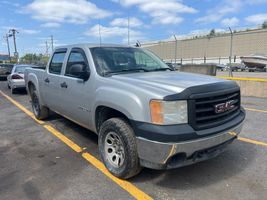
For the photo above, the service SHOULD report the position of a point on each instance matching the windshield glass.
(110, 60)
(20, 69)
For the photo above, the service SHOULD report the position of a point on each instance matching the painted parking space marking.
(252, 141)
(25, 110)
(256, 110)
(63, 138)
(126, 185)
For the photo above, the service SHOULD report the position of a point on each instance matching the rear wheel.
(13, 91)
(40, 112)
(117, 147)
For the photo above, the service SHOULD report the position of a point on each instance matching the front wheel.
(118, 149)
(40, 112)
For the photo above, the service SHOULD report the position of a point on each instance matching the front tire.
(118, 149)
(40, 112)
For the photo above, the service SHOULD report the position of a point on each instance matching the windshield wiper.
(161, 69)
(124, 70)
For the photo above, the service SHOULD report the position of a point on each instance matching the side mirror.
(79, 71)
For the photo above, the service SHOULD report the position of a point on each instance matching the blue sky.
(76, 21)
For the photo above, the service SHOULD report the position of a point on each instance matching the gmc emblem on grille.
(223, 107)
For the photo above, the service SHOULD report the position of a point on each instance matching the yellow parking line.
(243, 78)
(135, 192)
(256, 110)
(248, 140)
(126, 185)
(252, 141)
(22, 108)
(63, 138)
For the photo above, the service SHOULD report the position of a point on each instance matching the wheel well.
(104, 113)
(31, 87)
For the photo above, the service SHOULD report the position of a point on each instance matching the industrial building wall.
(215, 49)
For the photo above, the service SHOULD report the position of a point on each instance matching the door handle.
(63, 85)
(47, 80)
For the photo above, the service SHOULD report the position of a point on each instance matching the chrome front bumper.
(159, 155)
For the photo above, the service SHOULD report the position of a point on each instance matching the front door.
(76, 93)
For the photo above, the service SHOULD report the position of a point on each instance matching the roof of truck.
(91, 45)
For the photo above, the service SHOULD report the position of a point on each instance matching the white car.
(16, 79)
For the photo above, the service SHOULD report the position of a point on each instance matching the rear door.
(77, 94)
(52, 79)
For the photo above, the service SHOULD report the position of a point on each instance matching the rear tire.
(40, 112)
(13, 91)
(118, 149)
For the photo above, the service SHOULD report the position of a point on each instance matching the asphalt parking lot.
(58, 159)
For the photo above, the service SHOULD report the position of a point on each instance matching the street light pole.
(231, 53)
(175, 51)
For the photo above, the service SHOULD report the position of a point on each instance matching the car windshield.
(20, 69)
(112, 60)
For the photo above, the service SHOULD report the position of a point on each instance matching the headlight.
(168, 112)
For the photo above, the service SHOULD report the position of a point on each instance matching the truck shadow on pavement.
(233, 161)
(230, 163)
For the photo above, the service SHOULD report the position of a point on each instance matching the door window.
(77, 56)
(57, 62)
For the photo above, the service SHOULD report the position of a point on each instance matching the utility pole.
(175, 51)
(46, 48)
(13, 33)
(231, 52)
(128, 30)
(52, 42)
(8, 48)
(99, 32)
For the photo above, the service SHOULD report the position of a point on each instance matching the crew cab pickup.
(145, 114)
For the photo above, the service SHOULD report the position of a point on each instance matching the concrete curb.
(253, 87)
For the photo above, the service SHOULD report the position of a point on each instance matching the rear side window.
(57, 62)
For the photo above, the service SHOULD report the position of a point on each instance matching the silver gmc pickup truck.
(145, 114)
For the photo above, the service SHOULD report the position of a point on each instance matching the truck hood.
(171, 82)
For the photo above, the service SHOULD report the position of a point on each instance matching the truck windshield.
(113, 60)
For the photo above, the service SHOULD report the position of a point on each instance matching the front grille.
(203, 109)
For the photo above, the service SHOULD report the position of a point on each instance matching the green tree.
(264, 24)
(33, 58)
(212, 32)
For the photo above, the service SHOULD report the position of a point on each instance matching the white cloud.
(257, 19)
(217, 13)
(162, 12)
(77, 12)
(29, 31)
(10, 3)
(115, 31)
(255, 2)
(133, 22)
(21, 30)
(230, 22)
(50, 25)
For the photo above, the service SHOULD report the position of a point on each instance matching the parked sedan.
(16, 79)
(5, 70)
